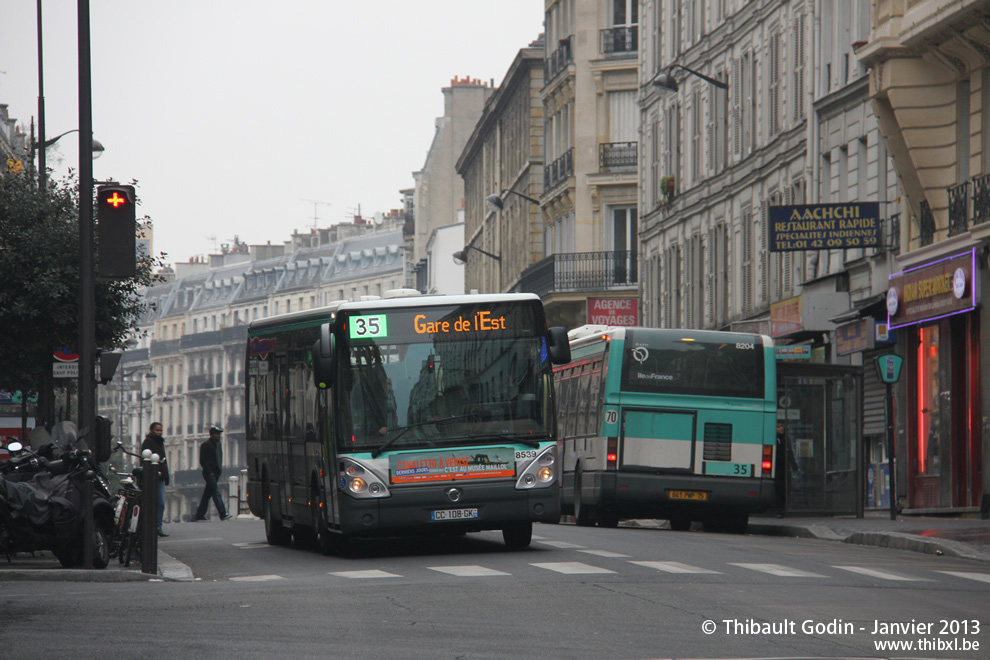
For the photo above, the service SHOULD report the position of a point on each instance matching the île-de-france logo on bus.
(260, 347)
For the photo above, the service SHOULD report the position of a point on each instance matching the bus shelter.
(820, 407)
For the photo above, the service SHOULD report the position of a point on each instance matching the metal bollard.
(149, 507)
(233, 496)
(242, 502)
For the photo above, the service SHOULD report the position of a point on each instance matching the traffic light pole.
(87, 281)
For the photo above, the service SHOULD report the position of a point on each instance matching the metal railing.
(892, 233)
(617, 156)
(926, 224)
(581, 271)
(558, 170)
(959, 208)
(557, 61)
(620, 39)
(981, 199)
(201, 382)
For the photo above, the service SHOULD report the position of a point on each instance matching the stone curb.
(169, 569)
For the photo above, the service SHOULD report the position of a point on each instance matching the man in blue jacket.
(210, 459)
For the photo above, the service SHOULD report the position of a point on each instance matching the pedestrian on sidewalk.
(211, 459)
(156, 443)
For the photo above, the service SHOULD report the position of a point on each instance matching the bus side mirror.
(560, 349)
(323, 351)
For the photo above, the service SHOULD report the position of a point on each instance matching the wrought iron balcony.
(926, 224)
(201, 382)
(981, 199)
(620, 39)
(558, 170)
(558, 60)
(892, 233)
(580, 271)
(959, 208)
(617, 156)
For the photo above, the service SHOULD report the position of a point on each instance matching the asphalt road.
(576, 593)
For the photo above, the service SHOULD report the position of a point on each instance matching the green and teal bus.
(402, 415)
(671, 424)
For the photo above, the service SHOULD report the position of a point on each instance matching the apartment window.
(773, 80)
(746, 263)
(696, 114)
(798, 36)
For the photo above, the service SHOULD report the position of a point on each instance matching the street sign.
(65, 370)
(889, 368)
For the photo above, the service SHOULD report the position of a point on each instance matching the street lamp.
(497, 203)
(666, 81)
(460, 257)
(40, 147)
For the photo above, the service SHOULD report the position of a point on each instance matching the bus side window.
(583, 382)
(595, 412)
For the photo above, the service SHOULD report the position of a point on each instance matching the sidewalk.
(968, 538)
(44, 567)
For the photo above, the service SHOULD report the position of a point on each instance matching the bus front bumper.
(411, 509)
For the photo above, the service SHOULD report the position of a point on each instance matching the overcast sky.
(231, 113)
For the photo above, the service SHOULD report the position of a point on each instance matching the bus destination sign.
(441, 323)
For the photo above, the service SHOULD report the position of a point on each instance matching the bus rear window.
(679, 363)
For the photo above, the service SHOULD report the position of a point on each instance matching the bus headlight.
(360, 481)
(541, 471)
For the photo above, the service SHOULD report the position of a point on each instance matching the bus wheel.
(582, 512)
(275, 533)
(680, 524)
(517, 535)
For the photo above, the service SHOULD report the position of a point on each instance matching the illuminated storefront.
(936, 306)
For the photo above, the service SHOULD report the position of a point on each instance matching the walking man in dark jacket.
(156, 443)
(210, 459)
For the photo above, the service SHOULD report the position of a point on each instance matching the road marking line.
(604, 553)
(883, 575)
(257, 578)
(360, 575)
(249, 546)
(673, 567)
(561, 544)
(467, 571)
(979, 577)
(778, 570)
(572, 568)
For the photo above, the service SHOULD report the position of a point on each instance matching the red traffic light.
(115, 199)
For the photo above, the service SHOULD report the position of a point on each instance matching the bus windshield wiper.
(528, 440)
(401, 430)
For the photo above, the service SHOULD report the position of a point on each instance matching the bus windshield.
(440, 376)
(682, 363)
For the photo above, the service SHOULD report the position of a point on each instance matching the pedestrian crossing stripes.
(363, 575)
(673, 567)
(778, 570)
(562, 545)
(883, 575)
(256, 578)
(979, 577)
(605, 553)
(467, 571)
(572, 568)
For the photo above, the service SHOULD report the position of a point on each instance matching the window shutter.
(710, 274)
(747, 260)
(736, 91)
(710, 130)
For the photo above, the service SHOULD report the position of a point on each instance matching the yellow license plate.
(687, 495)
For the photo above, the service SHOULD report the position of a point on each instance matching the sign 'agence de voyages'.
(824, 226)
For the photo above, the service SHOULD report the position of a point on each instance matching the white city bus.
(404, 415)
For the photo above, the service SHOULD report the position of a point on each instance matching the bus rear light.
(767, 463)
(612, 453)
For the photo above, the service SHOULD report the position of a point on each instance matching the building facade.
(929, 84)
(504, 157)
(589, 197)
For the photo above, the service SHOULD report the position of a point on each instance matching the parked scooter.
(41, 502)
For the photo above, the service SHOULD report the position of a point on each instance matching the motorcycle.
(41, 501)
